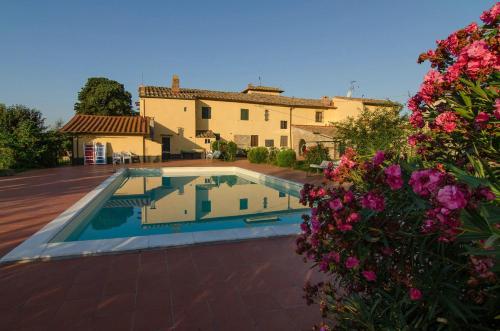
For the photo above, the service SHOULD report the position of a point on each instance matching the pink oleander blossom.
(369, 275)
(415, 294)
(351, 262)
(373, 201)
(489, 16)
(393, 176)
(353, 218)
(426, 182)
(417, 120)
(447, 121)
(431, 85)
(486, 193)
(336, 204)
(451, 197)
(414, 102)
(481, 120)
(348, 197)
(496, 112)
(378, 158)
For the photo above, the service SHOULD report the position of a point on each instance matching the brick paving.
(248, 285)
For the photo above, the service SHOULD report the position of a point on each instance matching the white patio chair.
(117, 158)
(322, 166)
(126, 156)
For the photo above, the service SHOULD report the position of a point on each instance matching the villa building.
(177, 121)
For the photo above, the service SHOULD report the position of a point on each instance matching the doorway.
(165, 148)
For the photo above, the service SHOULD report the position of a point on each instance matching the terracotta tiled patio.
(248, 285)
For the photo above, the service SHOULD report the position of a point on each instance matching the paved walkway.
(250, 285)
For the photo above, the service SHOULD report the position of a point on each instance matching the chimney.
(175, 84)
(326, 101)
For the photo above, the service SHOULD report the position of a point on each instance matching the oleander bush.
(286, 158)
(412, 242)
(258, 155)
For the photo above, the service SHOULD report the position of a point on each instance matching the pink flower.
(431, 85)
(425, 182)
(497, 109)
(344, 227)
(486, 193)
(412, 140)
(417, 120)
(351, 262)
(414, 102)
(373, 201)
(451, 197)
(348, 197)
(447, 121)
(378, 158)
(415, 294)
(489, 16)
(369, 275)
(393, 176)
(481, 119)
(353, 218)
(336, 204)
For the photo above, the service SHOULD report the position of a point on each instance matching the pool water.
(153, 204)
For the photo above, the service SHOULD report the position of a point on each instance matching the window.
(264, 203)
(283, 124)
(282, 194)
(206, 113)
(244, 114)
(206, 206)
(185, 108)
(283, 141)
(243, 204)
(207, 141)
(266, 115)
(269, 142)
(319, 116)
(254, 141)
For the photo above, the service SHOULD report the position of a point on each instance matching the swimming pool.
(151, 204)
(148, 208)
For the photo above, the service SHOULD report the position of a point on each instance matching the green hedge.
(227, 148)
(316, 154)
(258, 155)
(286, 158)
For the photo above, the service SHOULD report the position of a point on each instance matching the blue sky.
(309, 48)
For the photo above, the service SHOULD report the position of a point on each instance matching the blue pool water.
(153, 204)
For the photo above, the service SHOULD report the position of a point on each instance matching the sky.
(309, 48)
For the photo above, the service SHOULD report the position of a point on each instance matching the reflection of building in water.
(187, 199)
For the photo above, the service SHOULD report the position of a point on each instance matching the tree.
(102, 96)
(379, 129)
(25, 141)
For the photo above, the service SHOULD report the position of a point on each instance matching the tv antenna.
(353, 86)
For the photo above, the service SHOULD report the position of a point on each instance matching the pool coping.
(39, 247)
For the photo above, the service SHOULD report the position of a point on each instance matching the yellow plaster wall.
(115, 144)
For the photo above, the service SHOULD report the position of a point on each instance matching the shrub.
(273, 153)
(413, 243)
(258, 155)
(286, 158)
(384, 128)
(228, 149)
(316, 154)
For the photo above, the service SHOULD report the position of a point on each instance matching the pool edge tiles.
(39, 245)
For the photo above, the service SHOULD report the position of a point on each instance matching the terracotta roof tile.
(108, 124)
(251, 87)
(326, 130)
(367, 101)
(205, 134)
(193, 94)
